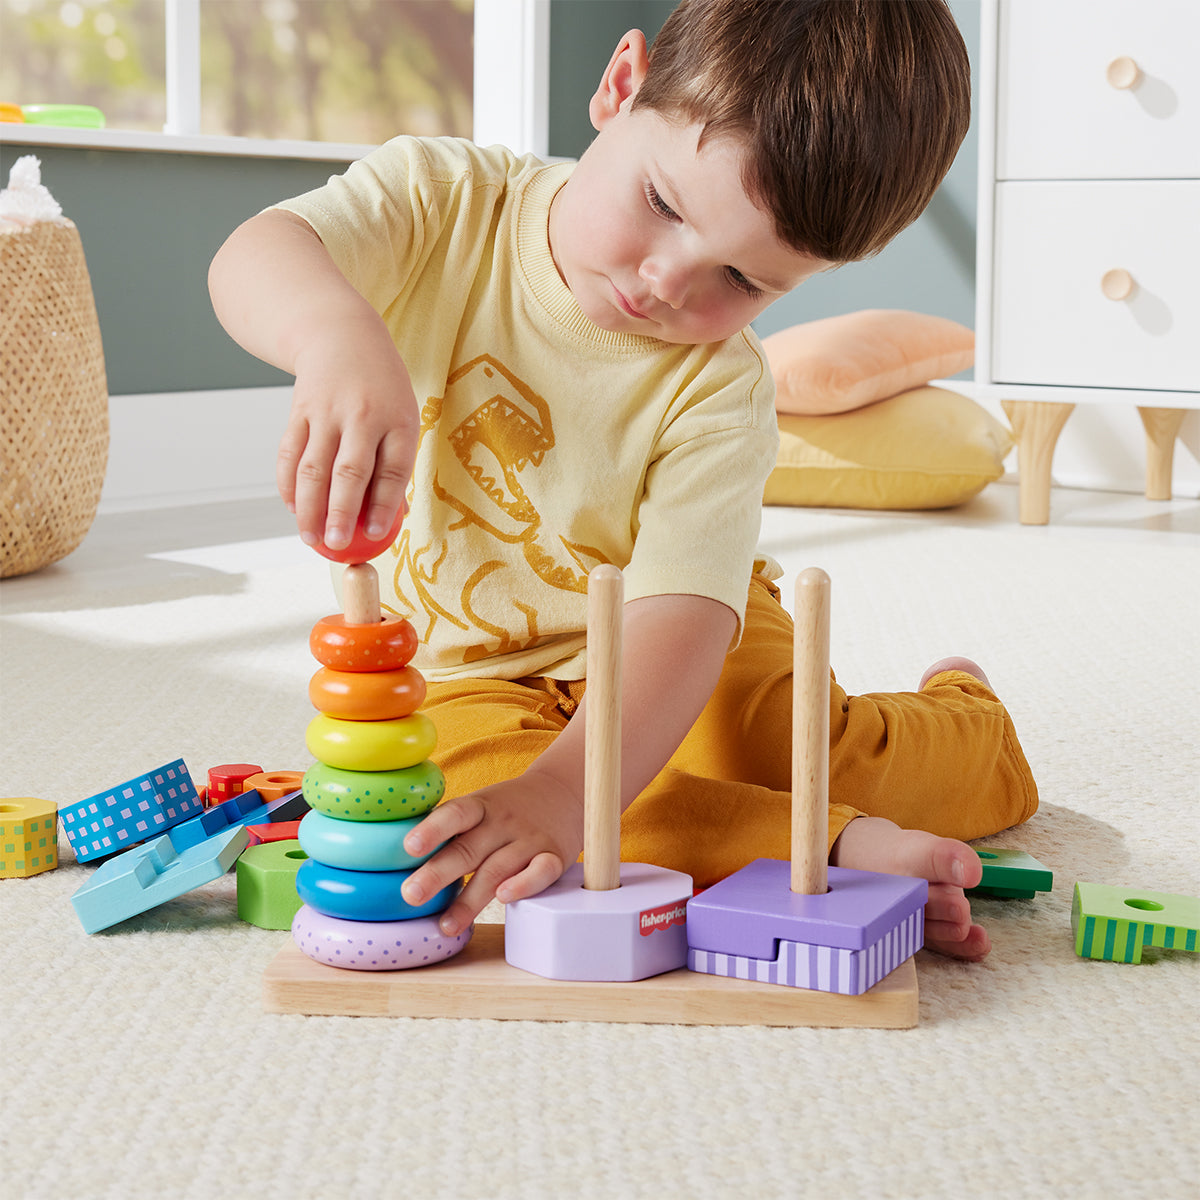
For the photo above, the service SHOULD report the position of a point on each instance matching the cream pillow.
(926, 448)
(844, 362)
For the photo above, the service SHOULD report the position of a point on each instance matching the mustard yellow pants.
(945, 759)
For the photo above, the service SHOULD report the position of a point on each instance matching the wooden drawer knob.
(1117, 284)
(1123, 72)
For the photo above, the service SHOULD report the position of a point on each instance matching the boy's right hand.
(514, 839)
(351, 437)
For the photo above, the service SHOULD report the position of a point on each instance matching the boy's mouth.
(627, 306)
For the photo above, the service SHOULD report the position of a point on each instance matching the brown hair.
(850, 111)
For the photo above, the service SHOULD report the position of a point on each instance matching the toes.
(956, 663)
(948, 905)
(950, 940)
(955, 863)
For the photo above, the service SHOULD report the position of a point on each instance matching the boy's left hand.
(514, 838)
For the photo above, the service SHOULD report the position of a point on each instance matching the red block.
(284, 831)
(229, 780)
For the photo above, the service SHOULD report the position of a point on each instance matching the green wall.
(151, 222)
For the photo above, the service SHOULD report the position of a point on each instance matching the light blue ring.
(359, 845)
(364, 895)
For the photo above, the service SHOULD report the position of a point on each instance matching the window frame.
(511, 88)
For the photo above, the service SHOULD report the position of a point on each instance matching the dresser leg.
(1036, 425)
(1162, 428)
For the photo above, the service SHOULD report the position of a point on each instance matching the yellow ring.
(371, 745)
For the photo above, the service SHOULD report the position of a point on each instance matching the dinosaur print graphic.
(485, 437)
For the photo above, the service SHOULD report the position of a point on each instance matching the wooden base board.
(479, 984)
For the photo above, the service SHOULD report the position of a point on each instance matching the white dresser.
(1088, 260)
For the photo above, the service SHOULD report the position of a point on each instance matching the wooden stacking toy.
(808, 925)
(600, 944)
(371, 784)
(603, 920)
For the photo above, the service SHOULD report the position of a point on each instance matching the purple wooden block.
(820, 968)
(752, 910)
(631, 932)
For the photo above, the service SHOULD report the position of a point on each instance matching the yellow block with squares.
(28, 836)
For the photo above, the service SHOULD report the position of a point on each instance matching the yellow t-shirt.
(547, 445)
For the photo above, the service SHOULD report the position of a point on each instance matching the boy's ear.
(621, 79)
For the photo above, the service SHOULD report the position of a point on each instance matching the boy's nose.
(668, 281)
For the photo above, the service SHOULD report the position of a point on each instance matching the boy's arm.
(353, 428)
(518, 837)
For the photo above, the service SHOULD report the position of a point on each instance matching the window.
(347, 71)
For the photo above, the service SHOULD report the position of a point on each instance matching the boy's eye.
(659, 205)
(742, 284)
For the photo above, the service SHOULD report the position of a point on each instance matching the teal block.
(1011, 874)
(149, 875)
(1114, 923)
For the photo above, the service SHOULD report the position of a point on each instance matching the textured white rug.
(138, 1062)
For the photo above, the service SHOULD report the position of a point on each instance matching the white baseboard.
(174, 448)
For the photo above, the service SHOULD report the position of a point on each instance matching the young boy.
(555, 363)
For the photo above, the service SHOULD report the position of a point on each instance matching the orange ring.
(367, 695)
(384, 646)
(273, 785)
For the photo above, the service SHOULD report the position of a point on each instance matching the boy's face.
(655, 235)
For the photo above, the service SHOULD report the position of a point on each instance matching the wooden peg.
(810, 735)
(360, 595)
(602, 757)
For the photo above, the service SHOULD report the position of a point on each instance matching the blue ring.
(364, 895)
(359, 845)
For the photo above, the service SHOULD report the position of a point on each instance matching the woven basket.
(53, 397)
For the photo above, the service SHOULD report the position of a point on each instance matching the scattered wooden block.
(1114, 923)
(1011, 874)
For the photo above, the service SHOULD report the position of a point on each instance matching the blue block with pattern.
(141, 808)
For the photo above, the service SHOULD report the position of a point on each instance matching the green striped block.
(1115, 923)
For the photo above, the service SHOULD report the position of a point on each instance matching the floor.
(130, 549)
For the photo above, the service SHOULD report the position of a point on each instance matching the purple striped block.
(821, 968)
(751, 925)
(132, 812)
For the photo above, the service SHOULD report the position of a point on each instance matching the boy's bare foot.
(877, 844)
(954, 664)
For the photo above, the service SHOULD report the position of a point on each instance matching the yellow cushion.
(926, 448)
(843, 362)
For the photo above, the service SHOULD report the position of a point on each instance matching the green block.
(266, 884)
(1011, 874)
(1114, 923)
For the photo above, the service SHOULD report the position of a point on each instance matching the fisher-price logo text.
(651, 920)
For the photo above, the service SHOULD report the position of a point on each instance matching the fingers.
(495, 879)
(390, 482)
(328, 478)
(501, 866)
(345, 482)
(287, 462)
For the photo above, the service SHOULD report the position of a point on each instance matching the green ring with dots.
(373, 795)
